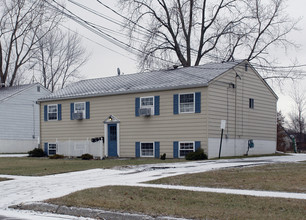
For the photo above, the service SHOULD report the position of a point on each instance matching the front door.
(112, 140)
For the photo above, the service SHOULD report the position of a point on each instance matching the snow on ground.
(24, 189)
(14, 155)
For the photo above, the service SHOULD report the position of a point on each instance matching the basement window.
(147, 149)
(52, 149)
(185, 148)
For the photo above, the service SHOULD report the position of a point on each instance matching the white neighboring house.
(19, 117)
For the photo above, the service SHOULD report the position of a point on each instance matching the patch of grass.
(43, 166)
(263, 155)
(289, 177)
(185, 204)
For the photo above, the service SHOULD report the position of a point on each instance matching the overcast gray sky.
(106, 57)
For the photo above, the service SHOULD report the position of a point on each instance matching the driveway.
(24, 189)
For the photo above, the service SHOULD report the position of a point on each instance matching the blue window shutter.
(157, 150)
(175, 104)
(137, 149)
(137, 106)
(59, 112)
(156, 105)
(87, 110)
(175, 149)
(71, 110)
(45, 113)
(197, 102)
(197, 145)
(46, 149)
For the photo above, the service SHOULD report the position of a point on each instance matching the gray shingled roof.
(140, 82)
(7, 92)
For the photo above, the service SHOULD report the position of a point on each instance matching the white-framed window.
(147, 149)
(185, 148)
(80, 107)
(52, 112)
(147, 102)
(52, 148)
(187, 103)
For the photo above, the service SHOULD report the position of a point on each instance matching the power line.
(98, 43)
(106, 36)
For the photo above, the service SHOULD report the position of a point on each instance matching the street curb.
(87, 212)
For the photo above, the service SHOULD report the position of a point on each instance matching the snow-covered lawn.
(29, 189)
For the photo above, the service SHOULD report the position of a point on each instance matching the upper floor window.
(79, 107)
(186, 103)
(52, 112)
(147, 102)
(79, 110)
(146, 106)
(251, 103)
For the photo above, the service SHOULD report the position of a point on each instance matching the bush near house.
(197, 155)
(87, 157)
(36, 152)
(57, 156)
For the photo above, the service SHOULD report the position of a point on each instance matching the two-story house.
(169, 111)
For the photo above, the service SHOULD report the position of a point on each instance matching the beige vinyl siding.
(164, 128)
(242, 122)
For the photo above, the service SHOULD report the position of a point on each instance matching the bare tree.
(281, 133)
(297, 122)
(20, 21)
(58, 59)
(188, 32)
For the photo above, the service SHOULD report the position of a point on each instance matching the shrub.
(87, 157)
(36, 152)
(197, 155)
(163, 157)
(57, 156)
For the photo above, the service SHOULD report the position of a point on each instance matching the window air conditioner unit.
(77, 116)
(145, 111)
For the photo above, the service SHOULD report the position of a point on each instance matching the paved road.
(29, 189)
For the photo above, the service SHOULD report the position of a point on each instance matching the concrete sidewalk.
(34, 189)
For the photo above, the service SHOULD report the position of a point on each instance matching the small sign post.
(223, 124)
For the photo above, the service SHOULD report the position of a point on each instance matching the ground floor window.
(147, 149)
(185, 148)
(52, 149)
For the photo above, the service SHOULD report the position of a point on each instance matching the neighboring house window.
(79, 107)
(147, 150)
(147, 102)
(185, 148)
(52, 112)
(251, 103)
(186, 103)
(52, 148)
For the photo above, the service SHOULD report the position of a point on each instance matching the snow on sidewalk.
(258, 193)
